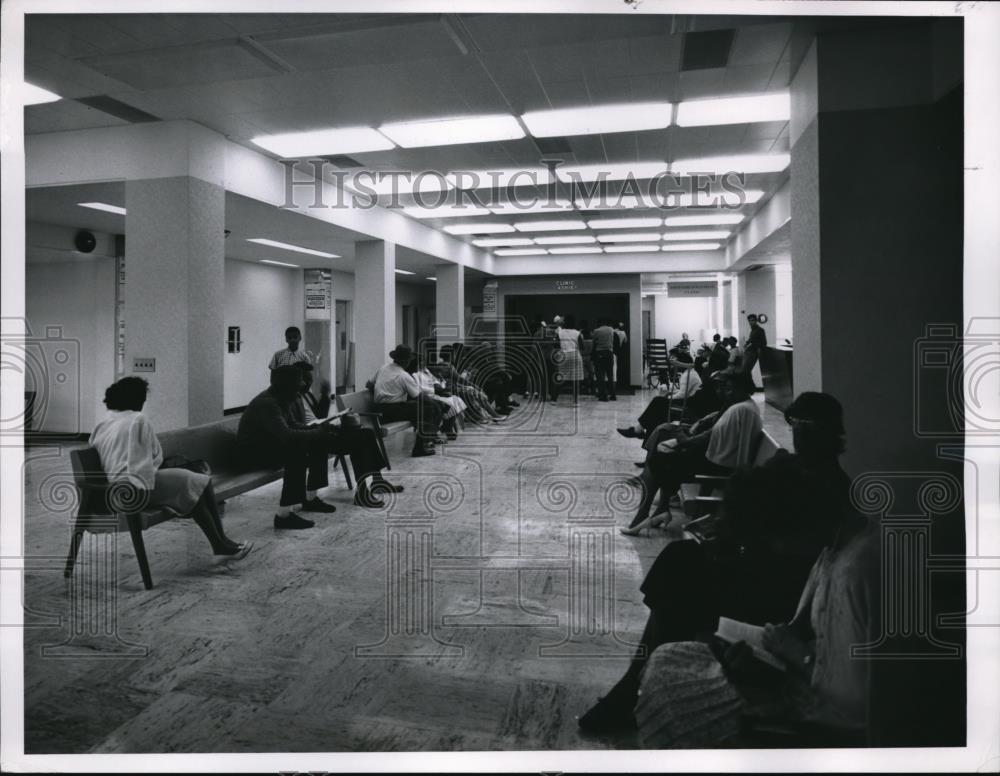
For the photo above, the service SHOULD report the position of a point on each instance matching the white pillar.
(174, 286)
(374, 306)
(449, 312)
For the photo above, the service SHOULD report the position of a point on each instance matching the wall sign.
(565, 285)
(319, 290)
(709, 289)
(490, 297)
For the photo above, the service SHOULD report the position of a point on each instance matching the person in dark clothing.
(605, 350)
(269, 437)
(358, 442)
(755, 343)
(775, 521)
(718, 359)
(398, 397)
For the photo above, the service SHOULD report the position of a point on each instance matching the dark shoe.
(292, 521)
(421, 450)
(614, 398)
(317, 505)
(602, 398)
(606, 718)
(365, 497)
(628, 433)
(452, 435)
(515, 404)
(505, 410)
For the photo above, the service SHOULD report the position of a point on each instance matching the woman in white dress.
(569, 363)
(451, 406)
(131, 453)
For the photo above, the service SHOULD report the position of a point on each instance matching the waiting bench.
(362, 403)
(106, 507)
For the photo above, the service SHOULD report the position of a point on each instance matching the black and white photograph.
(530, 387)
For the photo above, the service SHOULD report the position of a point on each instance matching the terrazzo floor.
(482, 609)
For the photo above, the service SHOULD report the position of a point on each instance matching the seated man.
(269, 438)
(452, 406)
(720, 450)
(359, 443)
(398, 397)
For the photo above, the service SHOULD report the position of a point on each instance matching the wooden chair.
(100, 510)
(657, 361)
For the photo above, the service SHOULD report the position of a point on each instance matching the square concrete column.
(173, 294)
(374, 305)
(449, 312)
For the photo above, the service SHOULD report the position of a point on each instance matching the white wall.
(757, 295)
(677, 315)
(783, 321)
(75, 293)
(263, 300)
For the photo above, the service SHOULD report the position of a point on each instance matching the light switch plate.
(144, 365)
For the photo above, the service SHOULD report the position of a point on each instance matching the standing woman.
(130, 452)
(570, 366)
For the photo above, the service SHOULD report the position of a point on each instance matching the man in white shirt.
(398, 397)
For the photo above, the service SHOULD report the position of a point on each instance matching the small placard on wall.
(233, 340)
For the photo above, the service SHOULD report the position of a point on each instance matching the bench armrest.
(708, 478)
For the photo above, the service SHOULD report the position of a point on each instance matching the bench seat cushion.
(232, 483)
(395, 427)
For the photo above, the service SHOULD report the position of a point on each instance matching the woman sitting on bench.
(130, 453)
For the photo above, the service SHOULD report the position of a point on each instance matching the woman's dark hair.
(129, 393)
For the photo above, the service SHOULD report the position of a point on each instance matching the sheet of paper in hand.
(734, 631)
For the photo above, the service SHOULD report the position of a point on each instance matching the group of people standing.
(584, 359)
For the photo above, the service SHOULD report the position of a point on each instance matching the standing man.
(755, 343)
(398, 397)
(622, 339)
(605, 350)
(291, 354)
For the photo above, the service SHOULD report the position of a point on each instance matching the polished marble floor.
(483, 609)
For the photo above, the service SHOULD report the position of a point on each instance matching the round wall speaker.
(762, 318)
(85, 242)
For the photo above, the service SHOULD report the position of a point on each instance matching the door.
(344, 350)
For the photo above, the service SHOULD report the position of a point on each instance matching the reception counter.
(776, 372)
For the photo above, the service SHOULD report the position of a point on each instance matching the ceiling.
(245, 218)
(245, 75)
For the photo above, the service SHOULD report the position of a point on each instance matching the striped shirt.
(286, 357)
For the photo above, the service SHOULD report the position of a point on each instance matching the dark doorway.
(586, 308)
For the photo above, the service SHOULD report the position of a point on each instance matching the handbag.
(350, 420)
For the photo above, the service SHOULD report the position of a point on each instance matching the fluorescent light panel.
(531, 206)
(520, 251)
(452, 210)
(712, 220)
(625, 117)
(624, 223)
(564, 239)
(404, 272)
(479, 228)
(452, 131)
(503, 241)
(582, 249)
(721, 164)
(630, 237)
(734, 110)
(321, 142)
(631, 248)
(383, 185)
(474, 180)
(103, 206)
(434, 279)
(611, 172)
(705, 235)
(288, 247)
(549, 226)
(279, 263)
(36, 95)
(690, 247)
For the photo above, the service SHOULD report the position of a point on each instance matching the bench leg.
(135, 528)
(74, 549)
(385, 455)
(342, 460)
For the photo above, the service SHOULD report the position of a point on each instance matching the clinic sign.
(565, 285)
(706, 289)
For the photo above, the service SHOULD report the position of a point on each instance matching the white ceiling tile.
(655, 54)
(751, 79)
(693, 84)
(759, 44)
